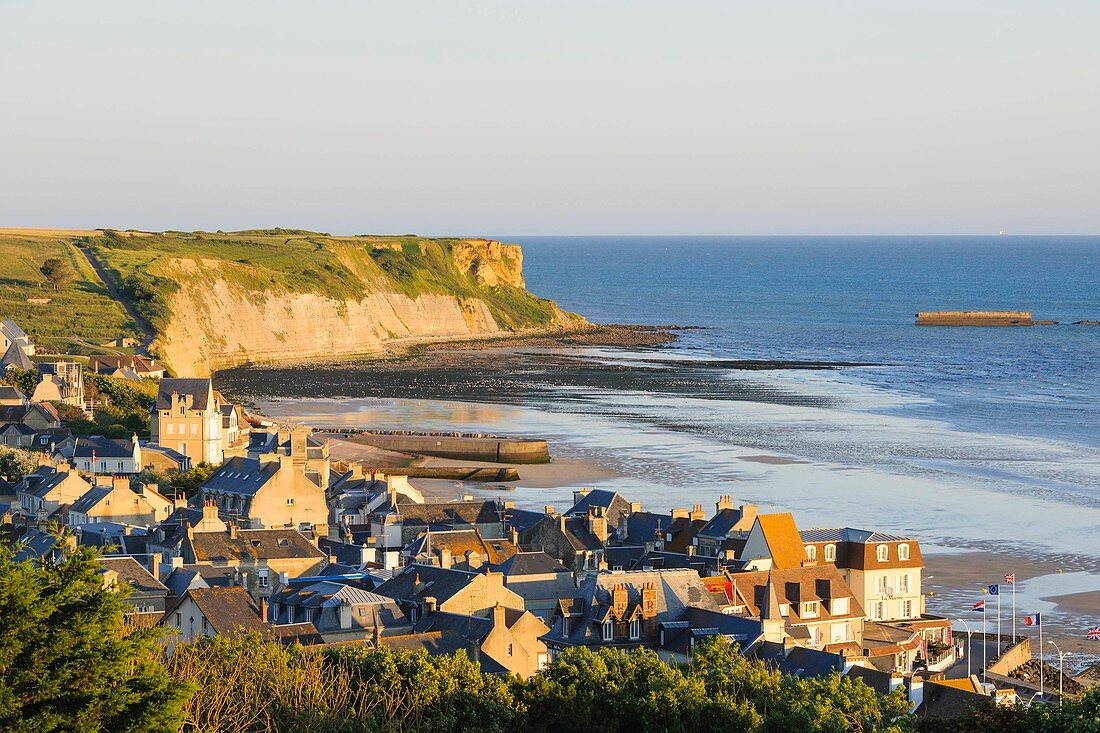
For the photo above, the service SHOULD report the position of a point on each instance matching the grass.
(149, 267)
(81, 311)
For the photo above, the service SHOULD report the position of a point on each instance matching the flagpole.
(1039, 618)
(1014, 608)
(985, 640)
(999, 647)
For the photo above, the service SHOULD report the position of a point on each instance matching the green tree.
(58, 271)
(68, 659)
(25, 380)
(15, 463)
(188, 482)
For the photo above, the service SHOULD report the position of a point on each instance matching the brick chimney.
(679, 513)
(724, 502)
(597, 523)
(619, 599)
(697, 513)
(649, 600)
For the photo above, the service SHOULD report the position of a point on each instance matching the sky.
(452, 117)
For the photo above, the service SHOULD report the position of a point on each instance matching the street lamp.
(969, 633)
(1061, 658)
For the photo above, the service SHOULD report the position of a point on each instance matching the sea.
(971, 439)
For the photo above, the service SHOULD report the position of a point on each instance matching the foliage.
(188, 482)
(25, 380)
(15, 463)
(82, 311)
(1080, 714)
(68, 659)
(58, 271)
(122, 407)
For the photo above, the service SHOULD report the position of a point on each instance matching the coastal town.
(218, 522)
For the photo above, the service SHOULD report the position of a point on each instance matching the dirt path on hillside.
(146, 328)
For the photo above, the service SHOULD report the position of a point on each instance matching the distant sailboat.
(1002, 233)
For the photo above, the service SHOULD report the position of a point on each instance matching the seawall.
(489, 450)
(975, 318)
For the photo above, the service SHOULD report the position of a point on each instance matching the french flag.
(1033, 620)
(979, 606)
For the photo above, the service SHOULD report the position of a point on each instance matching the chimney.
(284, 580)
(473, 559)
(578, 495)
(513, 535)
(724, 502)
(679, 513)
(597, 523)
(263, 609)
(177, 562)
(649, 600)
(550, 510)
(430, 604)
(155, 559)
(232, 530)
(619, 600)
(748, 513)
(635, 507)
(697, 513)
(561, 523)
(446, 560)
(499, 618)
(689, 550)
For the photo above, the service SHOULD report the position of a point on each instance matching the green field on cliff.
(148, 267)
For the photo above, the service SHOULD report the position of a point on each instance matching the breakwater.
(490, 449)
(976, 318)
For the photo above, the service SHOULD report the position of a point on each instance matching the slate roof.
(16, 358)
(461, 541)
(946, 702)
(138, 364)
(522, 520)
(240, 475)
(820, 583)
(8, 392)
(799, 661)
(451, 513)
(698, 624)
(435, 643)
(847, 534)
(226, 609)
(439, 583)
(530, 563)
(251, 544)
(102, 447)
(18, 413)
(721, 523)
(42, 481)
(134, 573)
(200, 388)
(595, 498)
(87, 502)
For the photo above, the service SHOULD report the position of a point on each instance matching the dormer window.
(903, 552)
(811, 553)
(608, 631)
(635, 629)
(883, 552)
(809, 609)
(830, 553)
(784, 609)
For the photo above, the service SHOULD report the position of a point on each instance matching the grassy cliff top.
(147, 267)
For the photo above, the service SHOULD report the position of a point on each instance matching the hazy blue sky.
(601, 116)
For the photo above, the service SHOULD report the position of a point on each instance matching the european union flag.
(994, 590)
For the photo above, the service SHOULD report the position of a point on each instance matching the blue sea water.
(854, 299)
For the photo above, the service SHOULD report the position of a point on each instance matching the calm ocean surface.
(854, 299)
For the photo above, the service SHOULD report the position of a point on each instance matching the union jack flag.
(1094, 634)
(1010, 579)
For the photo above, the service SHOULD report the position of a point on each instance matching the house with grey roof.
(101, 456)
(206, 612)
(267, 492)
(423, 589)
(339, 611)
(505, 641)
(47, 488)
(578, 542)
(538, 579)
(11, 335)
(187, 417)
(147, 595)
(615, 507)
(626, 609)
(727, 531)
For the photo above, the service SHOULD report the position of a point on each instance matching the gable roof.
(8, 392)
(596, 498)
(91, 499)
(848, 534)
(240, 475)
(721, 523)
(15, 358)
(530, 563)
(460, 542)
(451, 513)
(134, 573)
(784, 543)
(793, 586)
(421, 581)
(227, 609)
(102, 448)
(200, 389)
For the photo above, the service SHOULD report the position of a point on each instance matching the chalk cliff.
(454, 289)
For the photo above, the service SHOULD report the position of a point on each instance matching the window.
(811, 552)
(879, 610)
(880, 585)
(903, 552)
(830, 553)
(290, 502)
(120, 471)
(169, 429)
(883, 552)
(903, 583)
(183, 409)
(263, 578)
(179, 621)
(194, 428)
(809, 609)
(509, 650)
(204, 626)
(635, 629)
(784, 609)
(608, 631)
(839, 606)
(907, 609)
